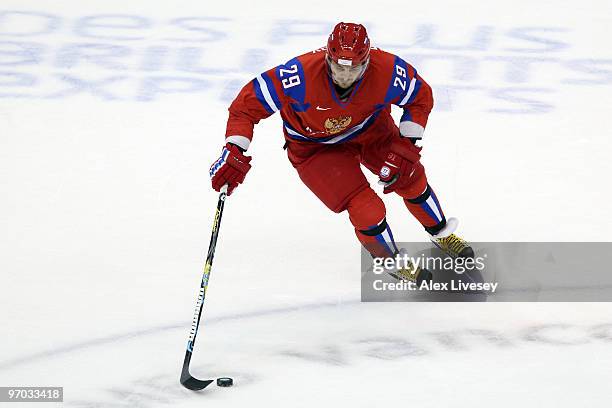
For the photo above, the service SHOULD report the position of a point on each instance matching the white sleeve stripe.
(266, 93)
(241, 141)
(410, 90)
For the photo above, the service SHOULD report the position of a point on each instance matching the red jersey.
(303, 91)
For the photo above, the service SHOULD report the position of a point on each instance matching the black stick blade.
(194, 384)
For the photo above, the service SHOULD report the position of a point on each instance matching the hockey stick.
(187, 380)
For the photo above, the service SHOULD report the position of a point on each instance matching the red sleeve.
(257, 100)
(420, 102)
(407, 90)
(417, 103)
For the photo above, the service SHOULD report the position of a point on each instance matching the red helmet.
(348, 44)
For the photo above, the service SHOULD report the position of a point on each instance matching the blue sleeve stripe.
(260, 96)
(406, 116)
(272, 90)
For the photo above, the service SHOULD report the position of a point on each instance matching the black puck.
(225, 382)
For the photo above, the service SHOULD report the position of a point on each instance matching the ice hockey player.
(335, 103)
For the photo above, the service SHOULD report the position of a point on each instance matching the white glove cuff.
(242, 141)
(411, 129)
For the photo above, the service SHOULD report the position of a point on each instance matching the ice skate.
(409, 271)
(450, 243)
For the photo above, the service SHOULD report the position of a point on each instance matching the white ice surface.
(106, 208)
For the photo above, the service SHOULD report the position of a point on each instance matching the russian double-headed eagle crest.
(337, 125)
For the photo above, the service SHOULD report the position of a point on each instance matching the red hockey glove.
(231, 168)
(401, 166)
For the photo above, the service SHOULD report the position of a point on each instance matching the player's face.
(343, 75)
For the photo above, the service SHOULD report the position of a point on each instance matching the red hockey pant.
(333, 173)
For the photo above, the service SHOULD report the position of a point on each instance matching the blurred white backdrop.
(110, 115)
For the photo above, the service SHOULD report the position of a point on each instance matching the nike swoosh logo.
(323, 109)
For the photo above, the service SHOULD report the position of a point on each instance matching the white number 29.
(401, 72)
(291, 81)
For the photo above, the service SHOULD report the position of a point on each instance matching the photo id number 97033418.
(31, 394)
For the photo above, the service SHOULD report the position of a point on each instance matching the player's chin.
(344, 84)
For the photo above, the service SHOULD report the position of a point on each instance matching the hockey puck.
(225, 382)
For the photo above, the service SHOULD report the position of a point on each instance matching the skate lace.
(407, 274)
(453, 244)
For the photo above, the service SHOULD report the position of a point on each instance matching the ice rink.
(111, 113)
